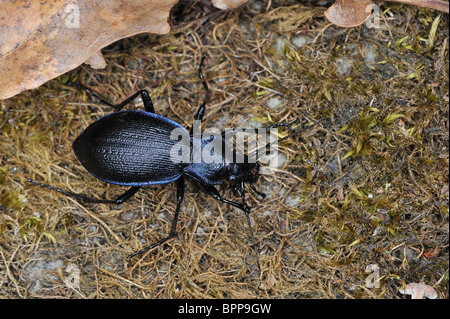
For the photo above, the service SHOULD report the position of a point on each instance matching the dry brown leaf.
(349, 13)
(227, 4)
(340, 194)
(40, 40)
(432, 253)
(96, 61)
(419, 291)
(432, 4)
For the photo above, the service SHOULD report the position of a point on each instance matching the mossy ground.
(369, 185)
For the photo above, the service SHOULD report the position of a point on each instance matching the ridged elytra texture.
(131, 148)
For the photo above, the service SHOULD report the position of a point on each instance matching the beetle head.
(242, 172)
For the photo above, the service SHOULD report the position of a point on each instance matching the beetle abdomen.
(131, 148)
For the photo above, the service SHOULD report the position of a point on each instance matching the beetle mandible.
(133, 148)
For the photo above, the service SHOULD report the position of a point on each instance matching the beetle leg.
(119, 200)
(212, 191)
(127, 195)
(148, 104)
(180, 196)
(241, 191)
(257, 191)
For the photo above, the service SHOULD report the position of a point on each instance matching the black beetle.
(133, 148)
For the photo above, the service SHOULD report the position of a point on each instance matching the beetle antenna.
(201, 110)
(258, 151)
